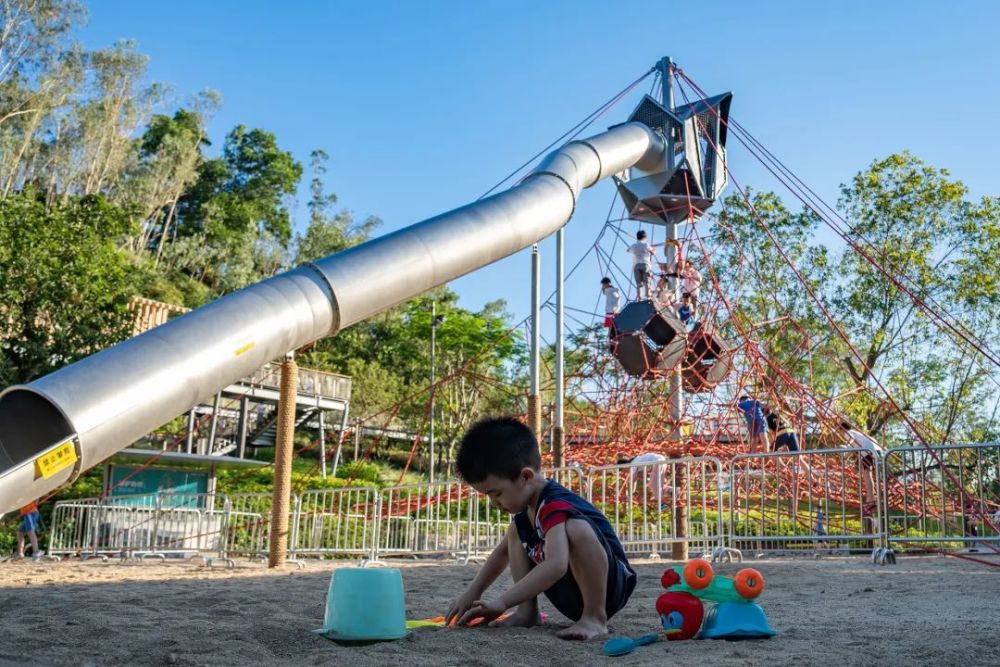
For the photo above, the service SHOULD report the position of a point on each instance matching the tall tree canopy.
(919, 225)
(64, 283)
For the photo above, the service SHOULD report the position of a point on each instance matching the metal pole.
(557, 431)
(357, 438)
(668, 82)
(189, 440)
(322, 441)
(241, 441)
(534, 400)
(430, 464)
(340, 440)
(680, 548)
(215, 424)
(281, 500)
(666, 67)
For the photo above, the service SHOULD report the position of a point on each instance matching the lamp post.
(436, 321)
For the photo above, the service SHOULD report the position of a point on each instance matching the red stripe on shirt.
(553, 513)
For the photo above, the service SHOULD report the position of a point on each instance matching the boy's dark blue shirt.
(556, 504)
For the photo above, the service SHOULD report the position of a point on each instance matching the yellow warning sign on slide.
(243, 349)
(55, 460)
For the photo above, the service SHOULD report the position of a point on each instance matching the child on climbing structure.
(664, 296)
(753, 412)
(647, 482)
(783, 433)
(690, 280)
(557, 544)
(687, 310)
(689, 276)
(612, 301)
(856, 438)
(642, 263)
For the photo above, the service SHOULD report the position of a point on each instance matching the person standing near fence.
(874, 451)
(30, 520)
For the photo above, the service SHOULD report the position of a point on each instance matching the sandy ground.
(929, 610)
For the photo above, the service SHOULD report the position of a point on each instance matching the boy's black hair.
(605, 280)
(500, 446)
(846, 425)
(641, 234)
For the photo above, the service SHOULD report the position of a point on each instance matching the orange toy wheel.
(749, 583)
(698, 573)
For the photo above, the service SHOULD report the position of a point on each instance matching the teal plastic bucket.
(365, 605)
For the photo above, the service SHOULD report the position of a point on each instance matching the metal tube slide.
(70, 420)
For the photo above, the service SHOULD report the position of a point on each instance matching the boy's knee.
(581, 536)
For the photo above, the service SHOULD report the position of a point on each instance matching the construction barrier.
(655, 505)
(248, 524)
(336, 522)
(139, 526)
(426, 519)
(75, 527)
(808, 500)
(942, 498)
(844, 500)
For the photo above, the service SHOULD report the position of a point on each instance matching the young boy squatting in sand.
(558, 543)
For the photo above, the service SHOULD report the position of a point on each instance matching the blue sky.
(423, 106)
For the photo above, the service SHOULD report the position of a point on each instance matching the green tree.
(477, 360)
(329, 231)
(770, 304)
(169, 155)
(31, 33)
(918, 224)
(64, 283)
(238, 207)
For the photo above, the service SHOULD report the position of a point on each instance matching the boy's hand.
(488, 610)
(458, 608)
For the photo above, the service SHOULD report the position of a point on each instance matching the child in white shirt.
(642, 260)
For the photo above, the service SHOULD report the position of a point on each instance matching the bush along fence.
(914, 499)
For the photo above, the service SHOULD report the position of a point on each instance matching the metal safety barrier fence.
(945, 497)
(807, 500)
(139, 526)
(843, 500)
(653, 506)
(336, 522)
(427, 519)
(248, 524)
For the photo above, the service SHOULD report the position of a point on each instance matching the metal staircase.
(265, 434)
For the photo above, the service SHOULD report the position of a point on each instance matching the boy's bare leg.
(589, 563)
(20, 544)
(526, 615)
(34, 543)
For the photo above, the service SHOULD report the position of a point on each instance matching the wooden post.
(281, 501)
(535, 416)
(679, 550)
